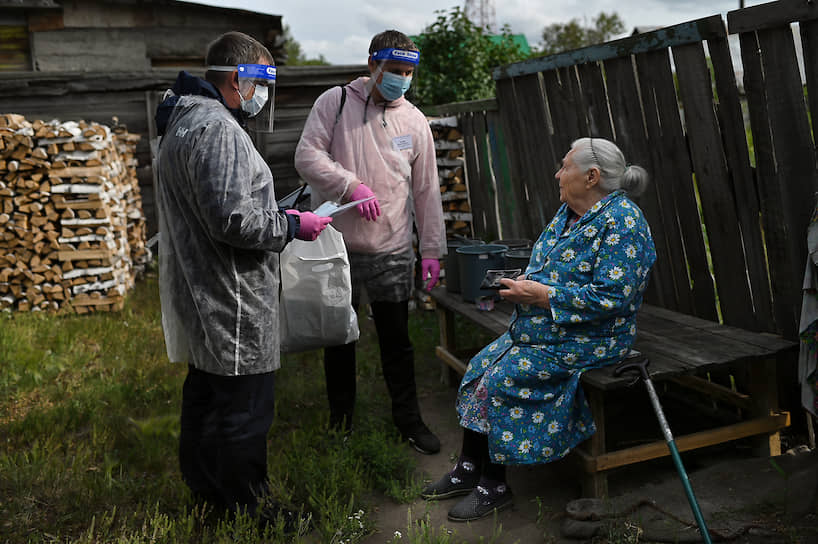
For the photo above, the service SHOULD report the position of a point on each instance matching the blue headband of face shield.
(400, 55)
(253, 71)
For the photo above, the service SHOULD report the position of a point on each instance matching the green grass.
(89, 423)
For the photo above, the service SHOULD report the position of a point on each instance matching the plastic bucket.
(518, 258)
(473, 262)
(451, 262)
(521, 243)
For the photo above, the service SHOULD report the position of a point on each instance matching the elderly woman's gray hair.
(615, 172)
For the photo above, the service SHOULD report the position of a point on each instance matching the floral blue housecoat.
(523, 388)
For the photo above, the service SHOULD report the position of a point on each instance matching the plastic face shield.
(257, 90)
(381, 56)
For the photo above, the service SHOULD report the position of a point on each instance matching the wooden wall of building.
(132, 97)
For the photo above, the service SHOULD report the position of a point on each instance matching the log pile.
(453, 190)
(72, 230)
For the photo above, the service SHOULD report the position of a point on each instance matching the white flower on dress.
(627, 290)
(600, 351)
(537, 417)
(554, 276)
(508, 381)
(595, 245)
(615, 273)
(537, 320)
(507, 436)
(560, 400)
(485, 426)
(551, 291)
(619, 321)
(584, 266)
(630, 252)
(516, 412)
(514, 351)
(625, 205)
(568, 255)
(606, 303)
(581, 426)
(571, 284)
(570, 358)
(548, 396)
(496, 401)
(525, 393)
(630, 222)
(485, 363)
(596, 206)
(575, 318)
(632, 330)
(551, 242)
(525, 338)
(548, 451)
(500, 457)
(524, 363)
(582, 339)
(553, 427)
(590, 232)
(525, 445)
(612, 239)
(543, 375)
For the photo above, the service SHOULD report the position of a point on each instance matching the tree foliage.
(295, 55)
(457, 59)
(560, 37)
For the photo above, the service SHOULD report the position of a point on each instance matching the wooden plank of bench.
(653, 450)
(716, 391)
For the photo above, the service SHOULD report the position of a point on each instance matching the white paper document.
(330, 209)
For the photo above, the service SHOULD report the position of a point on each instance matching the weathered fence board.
(595, 101)
(747, 207)
(711, 178)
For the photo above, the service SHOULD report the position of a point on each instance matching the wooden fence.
(729, 219)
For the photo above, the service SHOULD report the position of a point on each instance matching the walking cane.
(642, 367)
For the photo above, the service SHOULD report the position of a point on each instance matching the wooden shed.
(95, 60)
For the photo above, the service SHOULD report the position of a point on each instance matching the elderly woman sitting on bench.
(520, 400)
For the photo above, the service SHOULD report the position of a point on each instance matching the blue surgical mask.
(253, 106)
(393, 86)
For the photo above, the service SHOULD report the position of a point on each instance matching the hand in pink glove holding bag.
(310, 225)
(370, 209)
(430, 268)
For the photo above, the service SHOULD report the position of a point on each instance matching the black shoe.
(480, 503)
(421, 438)
(449, 486)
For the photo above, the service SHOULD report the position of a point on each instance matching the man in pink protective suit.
(366, 140)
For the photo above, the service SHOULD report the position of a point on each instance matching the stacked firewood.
(72, 234)
(453, 191)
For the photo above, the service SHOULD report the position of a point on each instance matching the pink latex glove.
(311, 224)
(369, 210)
(430, 268)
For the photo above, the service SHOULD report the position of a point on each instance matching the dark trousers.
(223, 439)
(397, 361)
(476, 448)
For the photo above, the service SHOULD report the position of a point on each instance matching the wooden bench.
(681, 349)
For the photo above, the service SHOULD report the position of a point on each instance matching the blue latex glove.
(430, 268)
(369, 210)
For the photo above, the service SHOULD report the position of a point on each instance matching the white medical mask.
(393, 86)
(253, 106)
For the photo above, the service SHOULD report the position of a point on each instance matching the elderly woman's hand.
(523, 291)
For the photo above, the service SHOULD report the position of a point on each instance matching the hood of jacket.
(188, 84)
(358, 89)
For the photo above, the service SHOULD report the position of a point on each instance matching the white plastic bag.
(316, 294)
